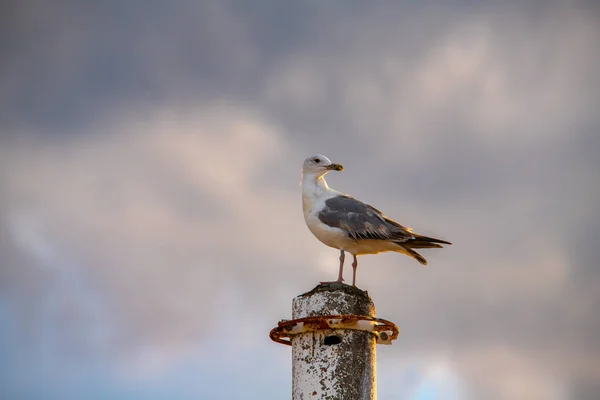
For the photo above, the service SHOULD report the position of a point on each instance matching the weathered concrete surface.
(333, 364)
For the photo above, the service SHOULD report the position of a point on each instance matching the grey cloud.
(188, 125)
(73, 61)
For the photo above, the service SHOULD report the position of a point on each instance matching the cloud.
(149, 170)
(149, 212)
(520, 377)
(472, 79)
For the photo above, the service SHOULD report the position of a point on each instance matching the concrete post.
(333, 335)
(333, 363)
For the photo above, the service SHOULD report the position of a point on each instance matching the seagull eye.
(317, 160)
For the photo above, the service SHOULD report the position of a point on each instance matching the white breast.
(332, 237)
(314, 196)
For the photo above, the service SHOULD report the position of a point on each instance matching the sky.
(151, 229)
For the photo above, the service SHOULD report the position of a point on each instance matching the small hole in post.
(331, 340)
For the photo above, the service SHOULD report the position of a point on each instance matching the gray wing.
(362, 221)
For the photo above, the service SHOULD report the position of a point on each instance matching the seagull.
(342, 222)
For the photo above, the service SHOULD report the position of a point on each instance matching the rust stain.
(384, 330)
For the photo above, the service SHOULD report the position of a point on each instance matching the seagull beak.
(335, 167)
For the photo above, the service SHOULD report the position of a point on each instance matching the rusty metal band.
(384, 330)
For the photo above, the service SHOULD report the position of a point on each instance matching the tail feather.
(410, 252)
(423, 245)
(420, 242)
(427, 239)
(425, 242)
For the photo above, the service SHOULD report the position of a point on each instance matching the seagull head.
(318, 165)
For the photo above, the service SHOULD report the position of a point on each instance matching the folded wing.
(361, 221)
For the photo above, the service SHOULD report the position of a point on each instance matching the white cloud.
(159, 212)
(495, 79)
(163, 211)
(503, 373)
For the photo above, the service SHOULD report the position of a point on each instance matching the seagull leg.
(354, 265)
(340, 278)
